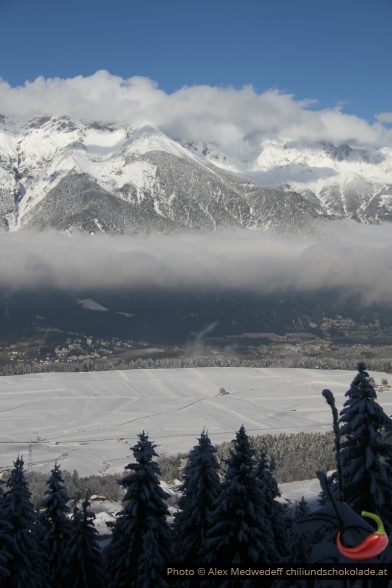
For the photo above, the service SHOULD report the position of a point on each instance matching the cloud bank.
(355, 258)
(234, 118)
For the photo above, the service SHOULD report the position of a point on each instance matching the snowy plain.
(89, 420)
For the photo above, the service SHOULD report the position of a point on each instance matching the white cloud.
(349, 256)
(384, 117)
(236, 119)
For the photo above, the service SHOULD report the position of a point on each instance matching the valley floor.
(88, 420)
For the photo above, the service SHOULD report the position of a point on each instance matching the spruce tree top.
(142, 486)
(240, 530)
(83, 525)
(55, 501)
(142, 523)
(361, 390)
(200, 488)
(364, 455)
(143, 452)
(361, 367)
(241, 454)
(17, 499)
(202, 461)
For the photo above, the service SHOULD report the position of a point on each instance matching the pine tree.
(365, 457)
(25, 561)
(200, 489)
(141, 523)
(301, 509)
(57, 526)
(299, 544)
(240, 531)
(151, 562)
(83, 558)
(5, 539)
(275, 511)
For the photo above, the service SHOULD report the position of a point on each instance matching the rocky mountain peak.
(63, 173)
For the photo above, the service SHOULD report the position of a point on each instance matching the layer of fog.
(237, 120)
(347, 255)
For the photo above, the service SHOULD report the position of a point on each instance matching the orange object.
(372, 546)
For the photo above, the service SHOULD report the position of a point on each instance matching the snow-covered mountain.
(338, 180)
(61, 173)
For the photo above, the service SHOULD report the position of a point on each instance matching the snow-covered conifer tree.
(301, 508)
(5, 538)
(240, 531)
(299, 544)
(275, 511)
(151, 563)
(57, 526)
(200, 489)
(365, 456)
(142, 522)
(24, 559)
(83, 557)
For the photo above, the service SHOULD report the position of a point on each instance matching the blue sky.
(335, 51)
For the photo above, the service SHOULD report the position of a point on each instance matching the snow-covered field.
(89, 420)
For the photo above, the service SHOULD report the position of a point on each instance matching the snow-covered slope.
(292, 492)
(88, 420)
(63, 173)
(340, 180)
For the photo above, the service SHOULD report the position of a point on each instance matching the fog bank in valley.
(346, 255)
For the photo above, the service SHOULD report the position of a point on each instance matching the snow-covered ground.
(91, 304)
(106, 510)
(89, 421)
(292, 492)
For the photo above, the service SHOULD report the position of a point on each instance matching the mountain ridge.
(61, 173)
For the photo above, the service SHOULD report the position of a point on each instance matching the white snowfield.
(88, 421)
